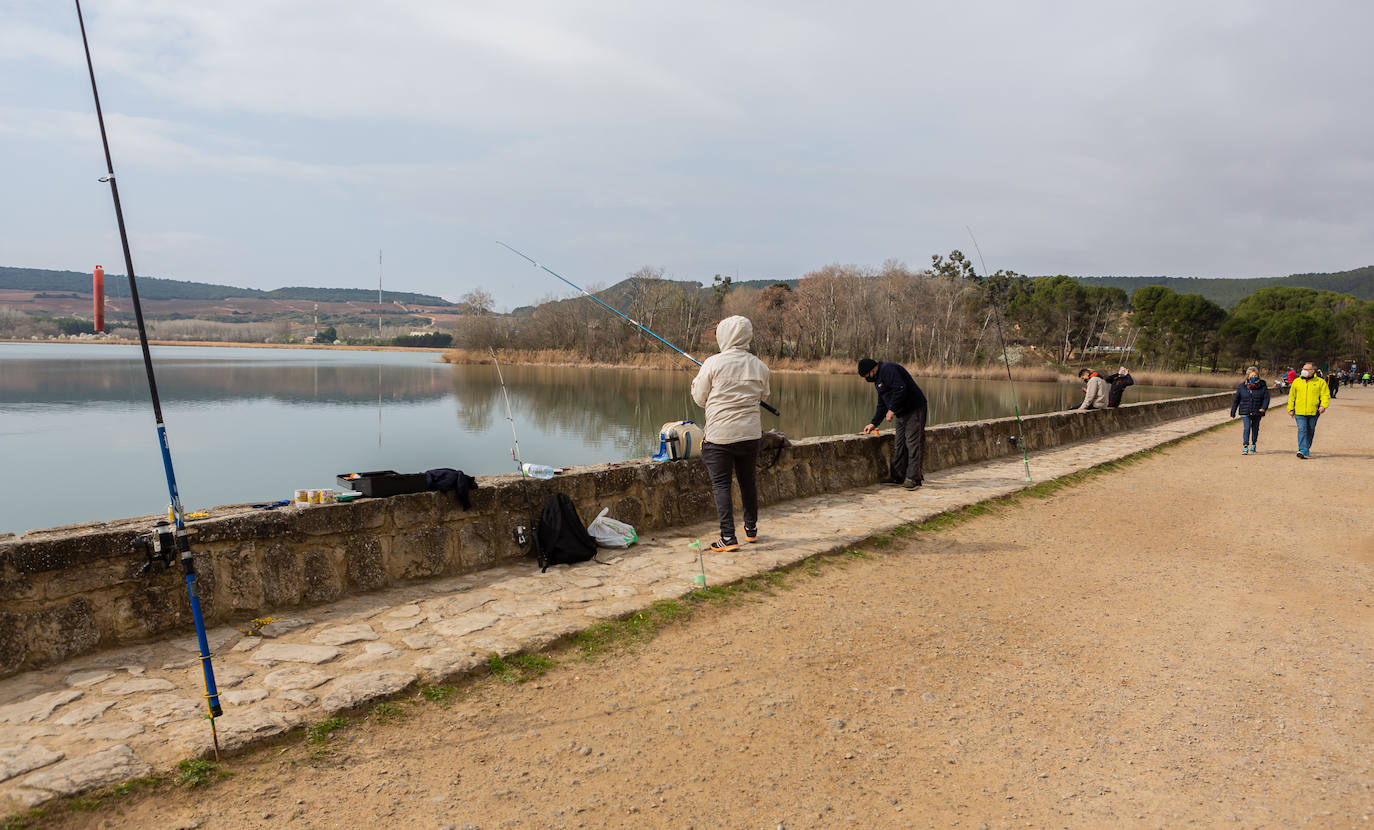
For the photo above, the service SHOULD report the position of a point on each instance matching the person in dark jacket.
(1250, 402)
(1118, 383)
(903, 403)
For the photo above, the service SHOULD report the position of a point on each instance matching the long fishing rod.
(997, 309)
(510, 416)
(163, 541)
(617, 312)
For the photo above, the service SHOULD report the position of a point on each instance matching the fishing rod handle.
(770, 408)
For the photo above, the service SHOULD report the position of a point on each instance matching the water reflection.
(255, 424)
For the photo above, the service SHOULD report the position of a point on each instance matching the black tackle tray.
(380, 483)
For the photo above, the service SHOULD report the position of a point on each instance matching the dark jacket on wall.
(1250, 398)
(897, 392)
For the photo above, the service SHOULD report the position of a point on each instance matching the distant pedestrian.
(1095, 393)
(1291, 376)
(1118, 383)
(1334, 383)
(1250, 402)
(903, 403)
(729, 386)
(1308, 398)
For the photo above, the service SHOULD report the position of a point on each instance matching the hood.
(734, 333)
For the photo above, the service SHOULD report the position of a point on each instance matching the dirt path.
(1187, 640)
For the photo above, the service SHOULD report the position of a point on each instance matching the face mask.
(1306, 373)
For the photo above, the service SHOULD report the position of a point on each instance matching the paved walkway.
(110, 716)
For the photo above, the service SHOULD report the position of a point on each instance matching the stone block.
(243, 527)
(355, 690)
(421, 553)
(465, 624)
(296, 677)
(345, 517)
(271, 653)
(415, 510)
(148, 610)
(341, 635)
(283, 576)
(322, 577)
(628, 509)
(135, 685)
(478, 545)
(66, 551)
(17, 760)
(37, 638)
(165, 708)
(239, 574)
(38, 708)
(363, 562)
(109, 766)
(447, 663)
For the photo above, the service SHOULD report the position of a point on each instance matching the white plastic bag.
(610, 533)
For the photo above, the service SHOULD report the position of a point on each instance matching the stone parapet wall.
(69, 591)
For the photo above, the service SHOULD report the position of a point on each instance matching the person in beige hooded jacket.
(730, 386)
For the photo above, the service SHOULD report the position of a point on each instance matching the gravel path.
(1189, 639)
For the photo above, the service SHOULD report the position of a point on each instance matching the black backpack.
(561, 538)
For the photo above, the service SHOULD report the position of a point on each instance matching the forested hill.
(154, 288)
(1228, 292)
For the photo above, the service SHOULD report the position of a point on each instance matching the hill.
(156, 288)
(1358, 282)
(621, 295)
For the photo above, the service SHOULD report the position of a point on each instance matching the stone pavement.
(107, 717)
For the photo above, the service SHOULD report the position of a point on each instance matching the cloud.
(1218, 139)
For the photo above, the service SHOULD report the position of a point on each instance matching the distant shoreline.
(232, 345)
(668, 362)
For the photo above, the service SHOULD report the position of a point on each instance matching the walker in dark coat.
(1251, 401)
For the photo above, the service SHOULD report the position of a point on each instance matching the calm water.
(77, 440)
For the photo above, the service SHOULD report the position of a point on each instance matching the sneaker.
(891, 482)
(1253, 451)
(1300, 455)
(911, 484)
(751, 534)
(1245, 450)
(725, 544)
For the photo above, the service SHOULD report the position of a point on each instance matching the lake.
(78, 442)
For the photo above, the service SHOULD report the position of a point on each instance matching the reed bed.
(837, 366)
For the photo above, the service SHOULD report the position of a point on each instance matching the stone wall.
(68, 591)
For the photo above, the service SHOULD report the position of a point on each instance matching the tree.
(477, 301)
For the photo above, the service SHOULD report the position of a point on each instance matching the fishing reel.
(161, 546)
(524, 537)
(1016, 441)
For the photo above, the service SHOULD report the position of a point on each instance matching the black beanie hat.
(866, 365)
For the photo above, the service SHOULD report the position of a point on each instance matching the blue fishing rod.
(164, 543)
(997, 311)
(617, 312)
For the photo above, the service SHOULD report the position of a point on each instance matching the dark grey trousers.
(909, 445)
(721, 460)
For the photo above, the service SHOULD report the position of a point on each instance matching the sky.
(267, 143)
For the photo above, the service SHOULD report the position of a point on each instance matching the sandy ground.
(1189, 640)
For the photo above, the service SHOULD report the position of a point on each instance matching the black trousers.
(721, 460)
(909, 445)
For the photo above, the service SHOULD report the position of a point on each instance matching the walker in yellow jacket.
(1307, 395)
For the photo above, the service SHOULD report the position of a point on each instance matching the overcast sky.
(266, 143)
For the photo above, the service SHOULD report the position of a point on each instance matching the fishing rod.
(997, 309)
(165, 543)
(515, 451)
(617, 312)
